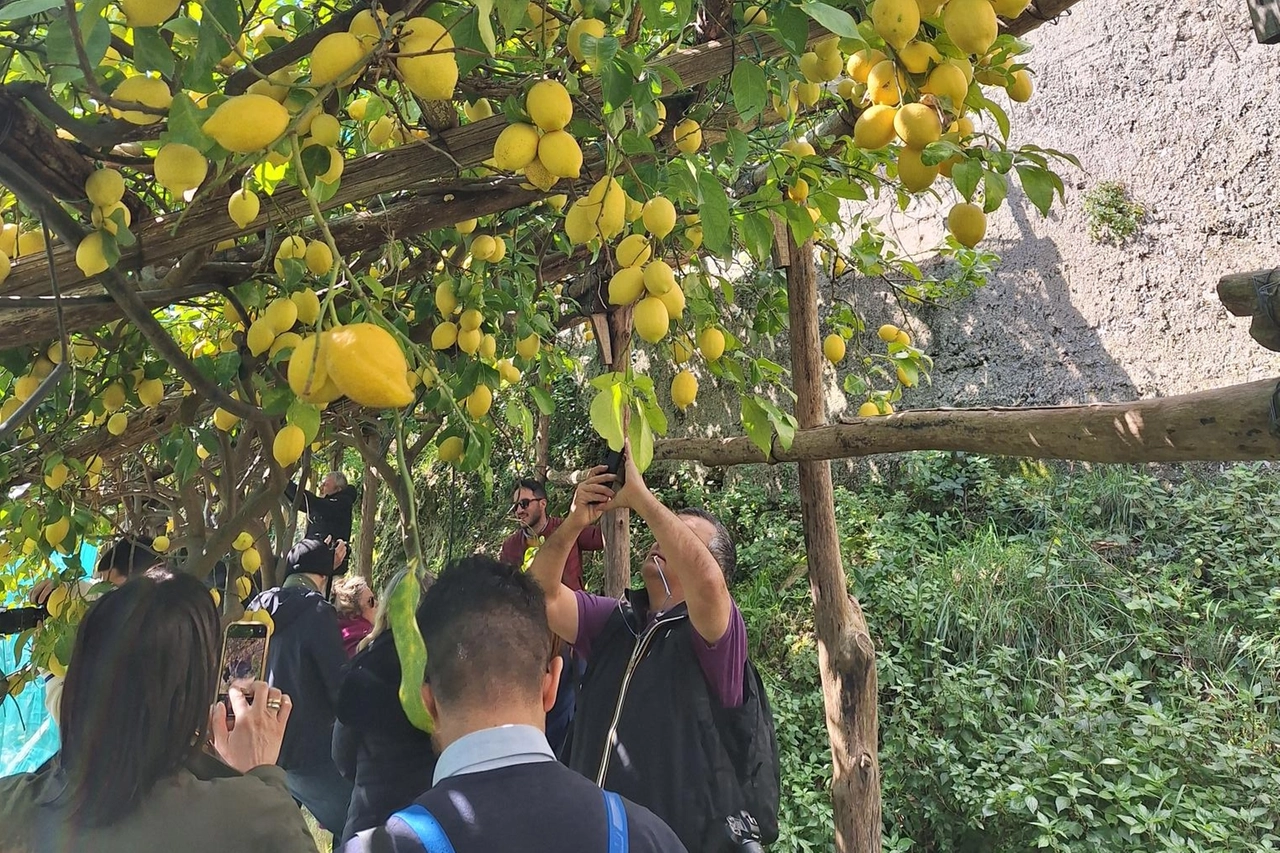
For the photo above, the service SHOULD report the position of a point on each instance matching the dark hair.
(536, 487)
(129, 557)
(137, 695)
(721, 545)
(485, 627)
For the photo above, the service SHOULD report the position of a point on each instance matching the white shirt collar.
(490, 749)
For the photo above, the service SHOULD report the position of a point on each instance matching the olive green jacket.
(207, 807)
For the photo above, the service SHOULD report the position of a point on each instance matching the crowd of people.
(563, 720)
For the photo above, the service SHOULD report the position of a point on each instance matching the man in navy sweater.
(491, 678)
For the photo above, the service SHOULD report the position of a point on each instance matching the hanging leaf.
(27, 8)
(484, 12)
(411, 650)
(641, 435)
(750, 89)
(305, 417)
(836, 20)
(755, 421)
(606, 415)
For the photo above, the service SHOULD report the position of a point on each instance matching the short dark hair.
(136, 702)
(485, 627)
(721, 545)
(536, 487)
(130, 556)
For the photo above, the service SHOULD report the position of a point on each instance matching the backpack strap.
(428, 829)
(616, 813)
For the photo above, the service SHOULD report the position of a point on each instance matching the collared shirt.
(489, 749)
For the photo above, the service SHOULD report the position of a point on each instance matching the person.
(382, 619)
(356, 608)
(328, 513)
(529, 503)
(305, 658)
(671, 712)
(388, 760)
(133, 773)
(490, 678)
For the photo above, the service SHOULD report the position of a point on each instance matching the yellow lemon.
(874, 128)
(57, 531)
(250, 560)
(528, 346)
(516, 147)
(579, 224)
(150, 392)
(118, 423)
(103, 188)
(659, 277)
(684, 389)
(688, 136)
(477, 110)
(579, 28)
(285, 341)
(471, 319)
(57, 476)
(365, 27)
(381, 130)
(755, 15)
(912, 171)
(947, 81)
(887, 332)
(885, 83)
(868, 410)
(444, 335)
(896, 21)
(469, 340)
(367, 365)
(918, 56)
(336, 58)
(318, 257)
(674, 300)
(833, 348)
(243, 207)
(483, 247)
(260, 336)
(224, 420)
(160, 544)
(244, 587)
(25, 386)
(148, 13)
(861, 62)
(289, 443)
(292, 248)
(1021, 87)
(446, 300)
(180, 168)
(537, 176)
(625, 286)
(326, 130)
(282, 313)
(243, 541)
(711, 343)
(247, 123)
(147, 91)
(651, 319)
(488, 346)
(432, 74)
(89, 254)
(633, 251)
(1010, 8)
(479, 401)
(308, 305)
(450, 449)
(661, 122)
(308, 372)
(659, 216)
(549, 105)
(967, 223)
(559, 154)
(971, 25)
(917, 126)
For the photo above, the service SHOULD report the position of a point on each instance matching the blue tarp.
(28, 736)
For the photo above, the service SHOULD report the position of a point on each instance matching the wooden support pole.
(368, 522)
(616, 524)
(846, 655)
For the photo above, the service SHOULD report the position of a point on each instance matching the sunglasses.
(524, 503)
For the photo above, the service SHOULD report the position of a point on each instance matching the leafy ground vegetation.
(1067, 662)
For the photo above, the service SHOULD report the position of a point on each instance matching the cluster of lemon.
(105, 191)
(542, 150)
(272, 331)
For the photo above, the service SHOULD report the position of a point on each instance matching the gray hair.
(339, 477)
(721, 545)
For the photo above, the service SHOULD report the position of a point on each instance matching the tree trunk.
(368, 523)
(846, 655)
(1230, 424)
(614, 340)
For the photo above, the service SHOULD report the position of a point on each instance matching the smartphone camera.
(244, 658)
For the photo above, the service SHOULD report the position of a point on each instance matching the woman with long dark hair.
(148, 762)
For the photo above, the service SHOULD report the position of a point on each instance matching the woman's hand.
(255, 736)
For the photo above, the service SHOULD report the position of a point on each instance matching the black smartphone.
(244, 657)
(613, 461)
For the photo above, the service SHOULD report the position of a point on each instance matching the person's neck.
(451, 727)
(535, 530)
(659, 598)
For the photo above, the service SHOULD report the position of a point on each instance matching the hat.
(310, 556)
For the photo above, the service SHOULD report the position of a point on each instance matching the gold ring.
(274, 704)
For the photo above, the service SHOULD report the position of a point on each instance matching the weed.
(1113, 216)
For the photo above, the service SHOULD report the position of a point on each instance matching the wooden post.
(615, 352)
(846, 655)
(368, 521)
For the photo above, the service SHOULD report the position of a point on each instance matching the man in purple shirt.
(671, 713)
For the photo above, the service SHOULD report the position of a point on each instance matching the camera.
(743, 832)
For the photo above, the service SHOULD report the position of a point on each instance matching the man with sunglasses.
(529, 505)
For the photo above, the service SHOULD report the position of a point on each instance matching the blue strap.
(428, 829)
(617, 814)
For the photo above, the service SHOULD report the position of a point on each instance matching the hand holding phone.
(244, 659)
(613, 465)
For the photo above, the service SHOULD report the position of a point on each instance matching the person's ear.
(429, 699)
(551, 683)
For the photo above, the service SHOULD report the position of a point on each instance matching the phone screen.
(244, 656)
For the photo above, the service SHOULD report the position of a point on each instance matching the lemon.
(651, 319)
(711, 343)
(549, 105)
(659, 216)
(659, 278)
(469, 340)
(365, 27)
(546, 27)
(150, 392)
(912, 171)
(579, 28)
(516, 147)
(887, 332)
(103, 188)
(661, 122)
(147, 91)
(334, 56)
(446, 300)
(432, 74)
(283, 341)
(309, 367)
(180, 168)
(466, 226)
(367, 365)
(688, 136)
(560, 155)
(684, 389)
(885, 83)
(970, 24)
(798, 191)
(450, 449)
(918, 56)
(117, 424)
(56, 476)
(833, 348)
(896, 21)
(499, 250)
(1010, 8)
(868, 410)
(148, 13)
(874, 128)
(967, 223)
(216, 596)
(917, 126)
(444, 335)
(89, 254)
(681, 349)
(25, 386)
(528, 346)
(861, 62)
(292, 248)
(243, 541)
(626, 286)
(755, 15)
(633, 251)
(318, 258)
(479, 401)
(947, 81)
(929, 8)
(579, 223)
(289, 443)
(160, 544)
(482, 247)
(260, 336)
(381, 130)
(29, 243)
(508, 371)
(9, 237)
(471, 319)
(326, 130)
(477, 110)
(606, 207)
(247, 123)
(1020, 89)
(224, 420)
(243, 207)
(674, 300)
(244, 587)
(334, 171)
(250, 560)
(488, 347)
(308, 305)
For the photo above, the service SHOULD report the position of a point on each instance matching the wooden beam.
(1255, 294)
(1223, 425)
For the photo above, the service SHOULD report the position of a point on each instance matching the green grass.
(1113, 216)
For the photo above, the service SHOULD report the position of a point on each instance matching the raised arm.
(548, 563)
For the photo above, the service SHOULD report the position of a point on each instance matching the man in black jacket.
(491, 677)
(306, 660)
(671, 712)
(328, 513)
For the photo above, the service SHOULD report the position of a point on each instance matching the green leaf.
(599, 52)
(755, 421)
(846, 188)
(792, 26)
(641, 435)
(966, 176)
(219, 29)
(757, 233)
(410, 649)
(994, 189)
(936, 152)
(511, 14)
(606, 415)
(150, 53)
(542, 400)
(484, 11)
(715, 214)
(62, 58)
(750, 89)
(836, 20)
(1038, 184)
(519, 416)
(305, 417)
(27, 8)
(185, 121)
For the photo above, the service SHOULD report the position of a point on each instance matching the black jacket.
(389, 761)
(327, 516)
(527, 808)
(305, 659)
(677, 750)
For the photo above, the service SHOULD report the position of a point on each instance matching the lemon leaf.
(641, 440)
(305, 417)
(484, 12)
(606, 415)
